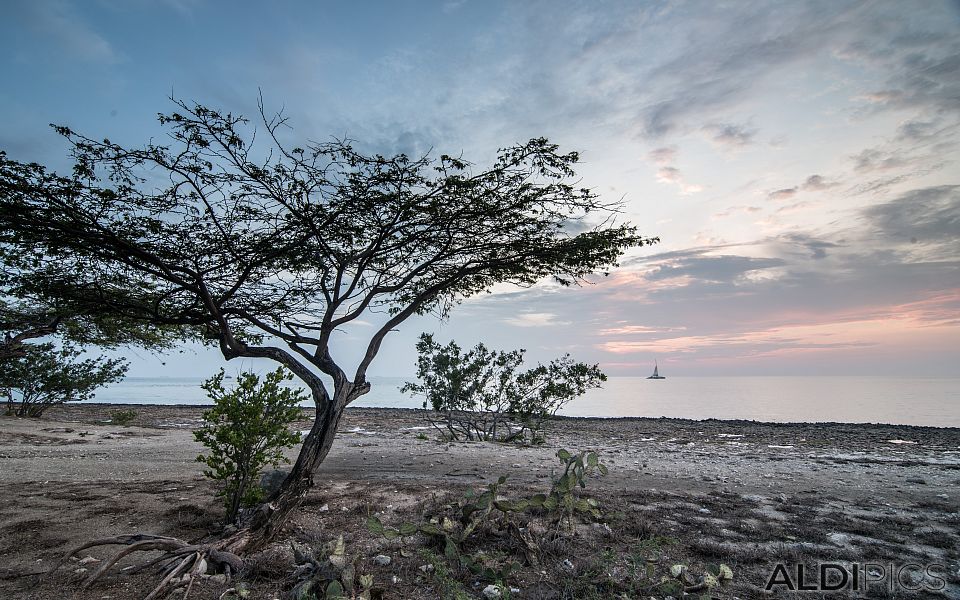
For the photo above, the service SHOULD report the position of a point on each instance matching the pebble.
(381, 559)
(492, 592)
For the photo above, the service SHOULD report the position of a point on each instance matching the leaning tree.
(267, 249)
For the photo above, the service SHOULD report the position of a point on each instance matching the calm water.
(898, 400)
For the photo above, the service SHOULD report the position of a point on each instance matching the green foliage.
(329, 574)
(564, 497)
(245, 430)
(480, 507)
(448, 587)
(483, 394)
(123, 417)
(43, 375)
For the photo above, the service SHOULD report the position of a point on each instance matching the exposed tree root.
(181, 563)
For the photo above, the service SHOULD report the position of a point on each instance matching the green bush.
(483, 394)
(247, 429)
(123, 417)
(44, 375)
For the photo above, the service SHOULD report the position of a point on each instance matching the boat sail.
(656, 373)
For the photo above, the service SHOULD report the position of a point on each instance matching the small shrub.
(123, 417)
(482, 394)
(246, 430)
(45, 375)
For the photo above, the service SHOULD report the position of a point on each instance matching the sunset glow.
(798, 160)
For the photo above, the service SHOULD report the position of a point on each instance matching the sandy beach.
(745, 494)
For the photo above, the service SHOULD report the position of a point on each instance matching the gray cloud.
(782, 194)
(924, 80)
(816, 183)
(815, 246)
(813, 183)
(883, 184)
(722, 269)
(923, 215)
(917, 130)
(731, 135)
(669, 175)
(875, 159)
(663, 156)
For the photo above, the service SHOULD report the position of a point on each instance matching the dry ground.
(694, 492)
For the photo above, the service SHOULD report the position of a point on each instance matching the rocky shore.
(745, 494)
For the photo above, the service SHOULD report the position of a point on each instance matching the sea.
(891, 400)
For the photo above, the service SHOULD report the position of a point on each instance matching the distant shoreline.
(106, 407)
(922, 402)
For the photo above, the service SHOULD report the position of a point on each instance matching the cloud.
(882, 184)
(923, 79)
(739, 208)
(875, 159)
(816, 183)
(782, 194)
(452, 5)
(57, 20)
(534, 320)
(667, 173)
(916, 130)
(817, 247)
(730, 135)
(663, 156)
(925, 215)
(705, 268)
(813, 183)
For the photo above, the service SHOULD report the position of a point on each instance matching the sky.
(798, 160)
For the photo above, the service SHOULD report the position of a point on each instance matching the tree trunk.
(262, 524)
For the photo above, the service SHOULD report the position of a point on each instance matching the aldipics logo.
(857, 577)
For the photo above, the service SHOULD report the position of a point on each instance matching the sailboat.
(656, 374)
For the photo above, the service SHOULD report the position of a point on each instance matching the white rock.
(381, 559)
(492, 591)
(86, 560)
